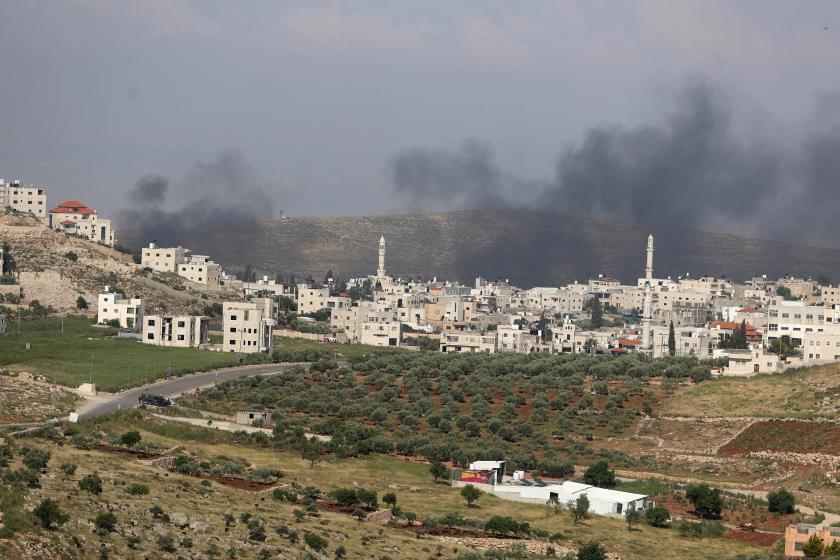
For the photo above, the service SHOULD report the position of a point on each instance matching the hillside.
(56, 269)
(528, 247)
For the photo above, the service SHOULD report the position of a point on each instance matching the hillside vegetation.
(528, 247)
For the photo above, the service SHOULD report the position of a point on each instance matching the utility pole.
(90, 380)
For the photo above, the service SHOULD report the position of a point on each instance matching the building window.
(150, 336)
(232, 342)
(180, 337)
(181, 323)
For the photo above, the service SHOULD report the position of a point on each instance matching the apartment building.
(113, 306)
(74, 218)
(248, 326)
(31, 199)
(178, 331)
(794, 319)
(797, 535)
(265, 285)
(468, 342)
(201, 270)
(163, 259)
(311, 298)
(380, 326)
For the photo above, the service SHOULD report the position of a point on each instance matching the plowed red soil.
(765, 540)
(788, 436)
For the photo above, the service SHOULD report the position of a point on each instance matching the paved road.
(105, 403)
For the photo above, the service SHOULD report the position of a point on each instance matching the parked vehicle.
(154, 400)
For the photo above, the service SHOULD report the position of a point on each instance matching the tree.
(672, 341)
(91, 483)
(49, 514)
(707, 502)
(554, 504)
(597, 313)
(592, 551)
(390, 498)
(657, 516)
(81, 303)
(439, 471)
(579, 507)
(633, 517)
(470, 493)
(131, 438)
(312, 451)
(36, 459)
(814, 547)
(832, 550)
(600, 475)
(105, 522)
(781, 501)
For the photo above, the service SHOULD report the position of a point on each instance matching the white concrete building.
(179, 331)
(163, 259)
(311, 298)
(468, 342)
(248, 326)
(201, 270)
(31, 199)
(113, 306)
(74, 218)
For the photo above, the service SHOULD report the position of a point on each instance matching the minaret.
(380, 272)
(647, 346)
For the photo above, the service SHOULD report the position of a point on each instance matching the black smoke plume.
(221, 193)
(695, 168)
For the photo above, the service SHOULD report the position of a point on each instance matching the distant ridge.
(529, 247)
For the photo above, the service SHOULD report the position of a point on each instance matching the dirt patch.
(755, 538)
(104, 447)
(737, 511)
(240, 483)
(786, 436)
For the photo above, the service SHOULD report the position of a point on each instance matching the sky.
(366, 107)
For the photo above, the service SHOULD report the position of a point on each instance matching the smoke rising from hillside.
(426, 177)
(695, 168)
(222, 192)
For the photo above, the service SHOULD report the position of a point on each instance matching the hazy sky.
(318, 97)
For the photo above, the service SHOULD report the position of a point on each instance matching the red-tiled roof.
(628, 341)
(748, 310)
(72, 207)
(730, 325)
(68, 223)
(618, 350)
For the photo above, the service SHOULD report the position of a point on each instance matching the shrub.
(657, 516)
(130, 439)
(166, 543)
(344, 496)
(49, 514)
(71, 256)
(91, 483)
(105, 522)
(592, 550)
(579, 507)
(813, 547)
(314, 541)
(69, 469)
(781, 501)
(36, 459)
(504, 526)
(138, 490)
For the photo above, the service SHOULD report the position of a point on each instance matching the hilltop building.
(195, 268)
(31, 199)
(74, 218)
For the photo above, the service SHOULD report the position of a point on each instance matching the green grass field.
(85, 351)
(346, 350)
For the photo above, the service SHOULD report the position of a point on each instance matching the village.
(737, 329)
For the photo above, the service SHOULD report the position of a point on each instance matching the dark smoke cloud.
(222, 192)
(428, 177)
(695, 168)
